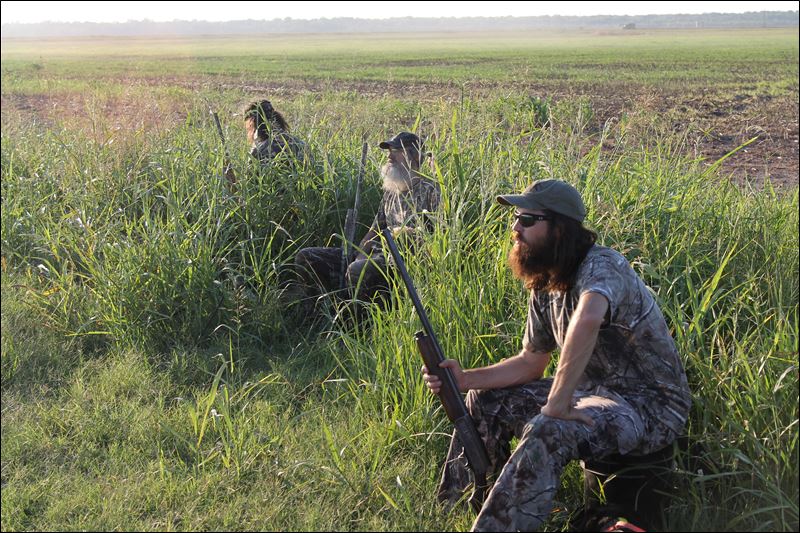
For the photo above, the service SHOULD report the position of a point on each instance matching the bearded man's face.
(533, 253)
(396, 172)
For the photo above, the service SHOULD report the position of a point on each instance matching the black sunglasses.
(526, 220)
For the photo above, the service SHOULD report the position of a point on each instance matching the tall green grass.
(142, 389)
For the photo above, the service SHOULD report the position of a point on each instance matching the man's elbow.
(536, 363)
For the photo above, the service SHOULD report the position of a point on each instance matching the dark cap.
(557, 196)
(403, 141)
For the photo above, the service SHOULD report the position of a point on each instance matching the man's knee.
(548, 430)
(483, 400)
(305, 264)
(366, 278)
(355, 271)
(317, 266)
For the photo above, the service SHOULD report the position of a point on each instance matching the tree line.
(761, 19)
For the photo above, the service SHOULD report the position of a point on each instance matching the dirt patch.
(762, 130)
(768, 124)
(715, 123)
(101, 117)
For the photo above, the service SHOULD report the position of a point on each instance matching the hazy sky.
(18, 11)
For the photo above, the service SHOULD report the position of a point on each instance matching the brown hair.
(261, 113)
(570, 244)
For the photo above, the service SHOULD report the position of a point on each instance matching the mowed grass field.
(141, 390)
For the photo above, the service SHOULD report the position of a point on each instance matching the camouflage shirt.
(405, 209)
(278, 146)
(635, 354)
(412, 208)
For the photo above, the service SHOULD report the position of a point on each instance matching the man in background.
(408, 199)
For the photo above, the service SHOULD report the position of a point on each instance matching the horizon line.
(146, 20)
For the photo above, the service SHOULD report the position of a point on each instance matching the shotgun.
(230, 176)
(450, 396)
(348, 250)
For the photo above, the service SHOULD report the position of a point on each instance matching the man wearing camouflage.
(269, 139)
(408, 199)
(619, 387)
(268, 135)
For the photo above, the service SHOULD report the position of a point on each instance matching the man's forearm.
(581, 338)
(517, 370)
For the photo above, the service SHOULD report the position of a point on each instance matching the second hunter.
(407, 197)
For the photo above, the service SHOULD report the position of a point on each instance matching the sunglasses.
(526, 220)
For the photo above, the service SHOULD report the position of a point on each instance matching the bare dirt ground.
(716, 123)
(719, 124)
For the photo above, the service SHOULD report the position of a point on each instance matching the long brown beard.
(533, 264)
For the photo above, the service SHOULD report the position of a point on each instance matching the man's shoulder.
(601, 260)
(600, 254)
(292, 139)
(422, 182)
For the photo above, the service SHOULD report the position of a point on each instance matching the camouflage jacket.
(410, 209)
(635, 354)
(279, 146)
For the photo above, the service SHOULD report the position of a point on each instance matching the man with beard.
(270, 144)
(269, 137)
(619, 387)
(408, 201)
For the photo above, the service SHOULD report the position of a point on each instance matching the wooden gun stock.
(457, 412)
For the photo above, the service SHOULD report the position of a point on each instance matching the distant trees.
(404, 24)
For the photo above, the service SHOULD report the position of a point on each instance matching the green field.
(686, 58)
(142, 391)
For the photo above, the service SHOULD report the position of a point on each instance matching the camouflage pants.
(321, 268)
(527, 480)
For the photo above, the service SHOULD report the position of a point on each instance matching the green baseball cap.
(555, 195)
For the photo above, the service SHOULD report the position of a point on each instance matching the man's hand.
(435, 384)
(566, 413)
(230, 175)
(399, 231)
